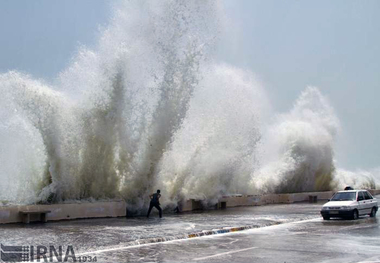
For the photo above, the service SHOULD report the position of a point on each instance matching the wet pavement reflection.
(296, 233)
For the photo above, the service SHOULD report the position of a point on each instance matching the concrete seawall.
(257, 200)
(11, 214)
(117, 208)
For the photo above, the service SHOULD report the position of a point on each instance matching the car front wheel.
(373, 212)
(355, 215)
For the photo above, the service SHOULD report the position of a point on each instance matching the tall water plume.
(297, 151)
(214, 152)
(300, 147)
(104, 128)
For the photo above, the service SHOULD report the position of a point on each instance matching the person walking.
(155, 202)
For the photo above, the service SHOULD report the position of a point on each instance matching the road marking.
(225, 253)
(111, 249)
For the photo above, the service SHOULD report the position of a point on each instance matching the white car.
(352, 204)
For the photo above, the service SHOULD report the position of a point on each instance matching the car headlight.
(325, 208)
(345, 208)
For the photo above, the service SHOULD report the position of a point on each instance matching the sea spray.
(149, 108)
(178, 35)
(105, 126)
(214, 152)
(358, 179)
(37, 109)
(300, 147)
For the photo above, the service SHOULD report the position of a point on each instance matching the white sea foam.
(358, 179)
(300, 147)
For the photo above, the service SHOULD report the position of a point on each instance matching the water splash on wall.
(358, 179)
(149, 108)
(214, 152)
(104, 128)
(300, 147)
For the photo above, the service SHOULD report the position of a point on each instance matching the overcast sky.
(334, 45)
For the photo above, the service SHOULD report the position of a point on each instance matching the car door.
(369, 202)
(361, 204)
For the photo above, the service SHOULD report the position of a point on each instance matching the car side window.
(367, 196)
(360, 196)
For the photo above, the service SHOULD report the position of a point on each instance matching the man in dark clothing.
(155, 202)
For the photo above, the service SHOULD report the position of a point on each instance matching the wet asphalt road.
(312, 240)
(296, 234)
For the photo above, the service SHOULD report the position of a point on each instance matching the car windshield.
(344, 196)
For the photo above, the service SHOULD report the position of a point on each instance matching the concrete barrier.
(252, 200)
(302, 197)
(257, 200)
(11, 214)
